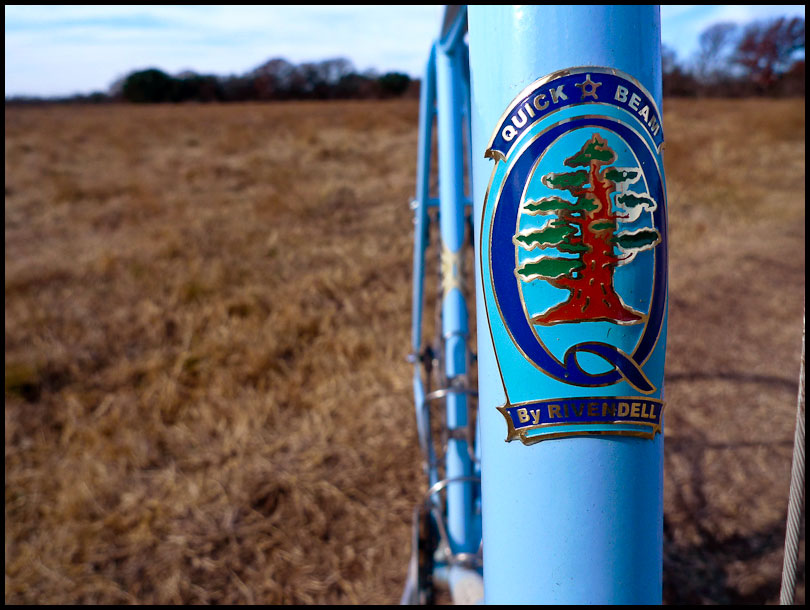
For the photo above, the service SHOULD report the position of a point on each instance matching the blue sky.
(62, 50)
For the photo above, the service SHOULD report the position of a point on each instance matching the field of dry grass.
(207, 312)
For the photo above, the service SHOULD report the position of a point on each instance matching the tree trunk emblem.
(584, 232)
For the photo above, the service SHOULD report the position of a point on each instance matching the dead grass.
(207, 314)
(735, 178)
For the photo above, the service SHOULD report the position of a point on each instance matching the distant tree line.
(276, 79)
(764, 57)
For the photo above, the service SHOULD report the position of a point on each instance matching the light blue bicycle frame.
(453, 501)
(578, 520)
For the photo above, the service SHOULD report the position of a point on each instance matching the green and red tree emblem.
(584, 232)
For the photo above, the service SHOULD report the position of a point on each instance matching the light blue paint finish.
(462, 531)
(454, 26)
(577, 523)
(423, 426)
(583, 428)
(519, 44)
(421, 220)
(455, 327)
(463, 535)
(572, 520)
(451, 99)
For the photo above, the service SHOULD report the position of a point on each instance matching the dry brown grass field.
(207, 313)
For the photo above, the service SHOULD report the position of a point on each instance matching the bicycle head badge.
(573, 257)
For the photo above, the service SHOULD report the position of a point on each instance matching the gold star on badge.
(588, 88)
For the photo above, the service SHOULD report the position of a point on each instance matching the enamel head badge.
(574, 257)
